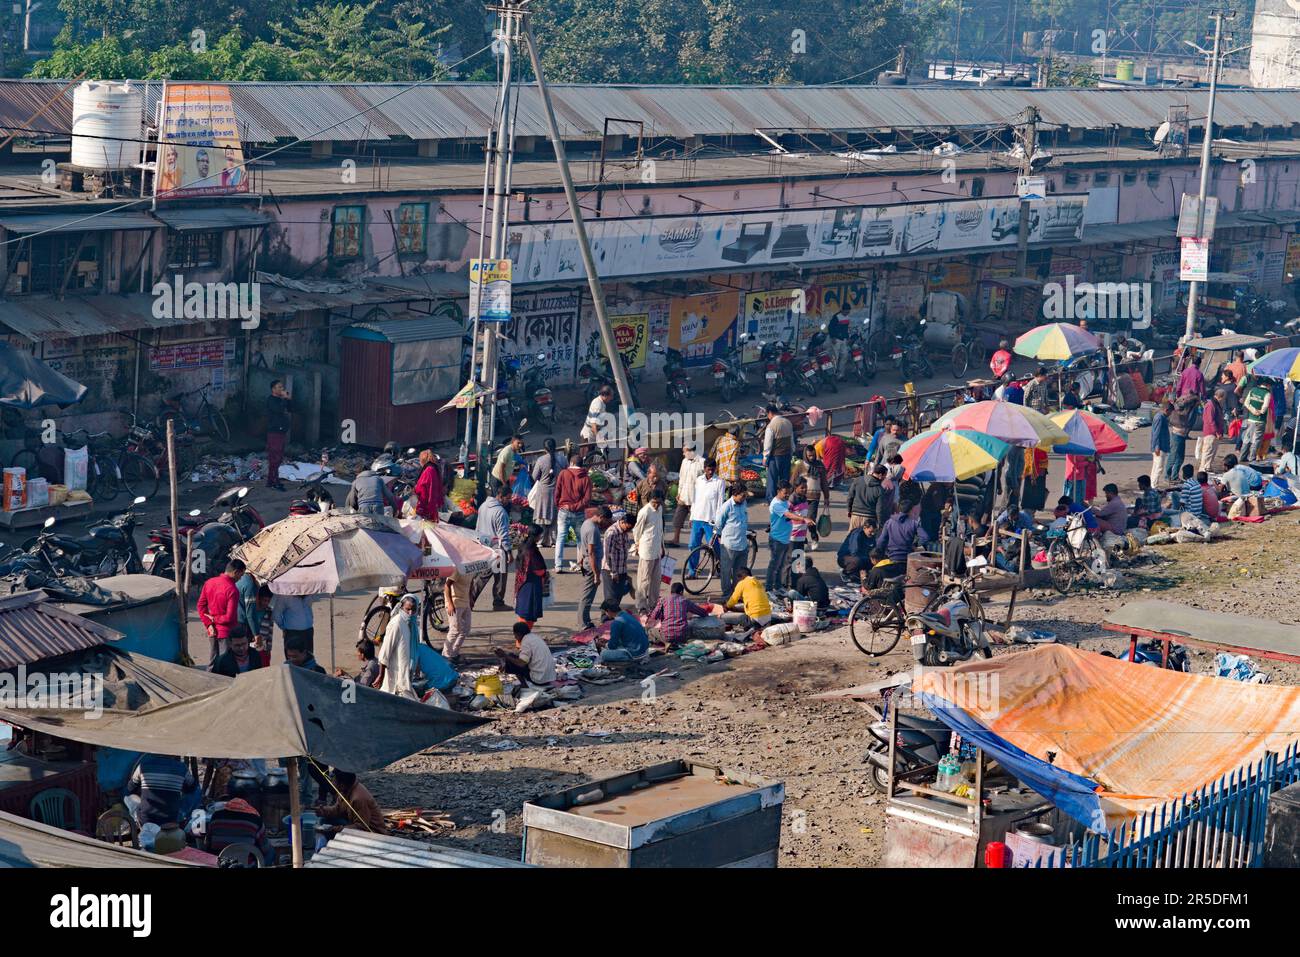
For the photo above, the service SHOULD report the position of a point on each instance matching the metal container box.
(679, 814)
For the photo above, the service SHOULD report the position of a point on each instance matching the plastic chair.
(241, 855)
(50, 805)
(115, 827)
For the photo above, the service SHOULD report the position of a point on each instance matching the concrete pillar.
(321, 149)
(426, 148)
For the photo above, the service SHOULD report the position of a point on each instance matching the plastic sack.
(436, 668)
(523, 484)
(75, 464)
(667, 568)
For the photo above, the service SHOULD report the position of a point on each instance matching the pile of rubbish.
(490, 689)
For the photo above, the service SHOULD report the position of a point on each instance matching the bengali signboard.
(1293, 255)
(192, 355)
(542, 332)
(658, 245)
(489, 289)
(771, 315)
(1194, 264)
(199, 143)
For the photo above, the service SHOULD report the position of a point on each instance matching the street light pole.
(1030, 144)
(1193, 285)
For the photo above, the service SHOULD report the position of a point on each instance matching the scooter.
(108, 548)
(213, 540)
(315, 497)
(678, 391)
(539, 402)
(921, 743)
(821, 355)
(729, 374)
(948, 634)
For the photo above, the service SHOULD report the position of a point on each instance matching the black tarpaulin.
(26, 382)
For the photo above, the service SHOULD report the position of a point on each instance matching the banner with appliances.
(658, 245)
(199, 144)
(771, 315)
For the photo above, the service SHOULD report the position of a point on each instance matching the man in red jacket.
(219, 607)
(572, 493)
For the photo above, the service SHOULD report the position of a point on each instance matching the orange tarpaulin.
(1141, 734)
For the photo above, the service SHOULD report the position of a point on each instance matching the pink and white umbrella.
(452, 550)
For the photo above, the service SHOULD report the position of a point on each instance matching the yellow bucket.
(488, 686)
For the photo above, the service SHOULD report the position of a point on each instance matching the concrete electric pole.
(1029, 141)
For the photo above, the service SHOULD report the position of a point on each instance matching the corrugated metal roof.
(194, 220)
(327, 111)
(27, 843)
(355, 848)
(41, 319)
(76, 222)
(32, 629)
(413, 328)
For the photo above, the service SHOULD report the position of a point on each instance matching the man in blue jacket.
(1160, 440)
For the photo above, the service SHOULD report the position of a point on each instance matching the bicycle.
(379, 612)
(878, 618)
(103, 481)
(1073, 554)
(707, 561)
(137, 471)
(207, 419)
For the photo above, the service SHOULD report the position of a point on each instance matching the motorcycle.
(678, 390)
(862, 358)
(821, 355)
(211, 541)
(507, 408)
(730, 375)
(920, 743)
(108, 548)
(951, 632)
(908, 355)
(539, 402)
(595, 377)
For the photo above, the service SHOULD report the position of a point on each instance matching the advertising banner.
(770, 315)
(199, 144)
(1195, 260)
(715, 242)
(703, 326)
(489, 289)
(542, 331)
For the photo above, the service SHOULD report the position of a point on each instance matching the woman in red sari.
(530, 577)
(428, 489)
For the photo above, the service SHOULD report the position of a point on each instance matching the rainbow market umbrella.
(1056, 340)
(1012, 423)
(950, 455)
(1089, 433)
(1280, 364)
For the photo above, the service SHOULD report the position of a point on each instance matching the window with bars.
(194, 250)
(412, 221)
(43, 261)
(346, 232)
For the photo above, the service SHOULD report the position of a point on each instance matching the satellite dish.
(1162, 132)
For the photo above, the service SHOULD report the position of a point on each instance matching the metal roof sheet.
(352, 847)
(413, 328)
(327, 111)
(32, 629)
(27, 843)
(216, 217)
(76, 222)
(41, 319)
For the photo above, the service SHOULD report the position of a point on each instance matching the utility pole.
(1215, 57)
(1029, 140)
(580, 228)
(505, 143)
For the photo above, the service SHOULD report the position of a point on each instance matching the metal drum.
(923, 570)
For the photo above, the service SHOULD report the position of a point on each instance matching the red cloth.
(1210, 502)
(274, 455)
(429, 493)
(572, 489)
(833, 455)
(219, 604)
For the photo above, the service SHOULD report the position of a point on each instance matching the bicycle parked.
(205, 420)
(877, 620)
(707, 561)
(433, 615)
(1073, 554)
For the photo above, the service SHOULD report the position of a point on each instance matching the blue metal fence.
(1219, 825)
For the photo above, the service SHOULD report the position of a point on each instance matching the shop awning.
(81, 221)
(41, 319)
(212, 218)
(409, 327)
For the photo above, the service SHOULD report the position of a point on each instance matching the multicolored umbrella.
(1012, 423)
(1280, 364)
(452, 550)
(950, 455)
(1056, 340)
(1089, 433)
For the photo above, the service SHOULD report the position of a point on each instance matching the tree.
(342, 42)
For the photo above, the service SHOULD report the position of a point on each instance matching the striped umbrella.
(1089, 433)
(1056, 340)
(1012, 423)
(950, 455)
(1280, 364)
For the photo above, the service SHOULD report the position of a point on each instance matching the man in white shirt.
(531, 661)
(648, 540)
(707, 499)
(595, 424)
(692, 468)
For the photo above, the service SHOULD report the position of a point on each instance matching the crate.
(678, 814)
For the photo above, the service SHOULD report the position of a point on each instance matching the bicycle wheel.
(977, 350)
(25, 459)
(1061, 566)
(706, 569)
(217, 425)
(753, 552)
(101, 478)
(960, 360)
(875, 626)
(434, 618)
(376, 622)
(138, 475)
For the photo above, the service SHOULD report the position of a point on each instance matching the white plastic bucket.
(805, 616)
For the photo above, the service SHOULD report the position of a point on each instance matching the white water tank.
(107, 125)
